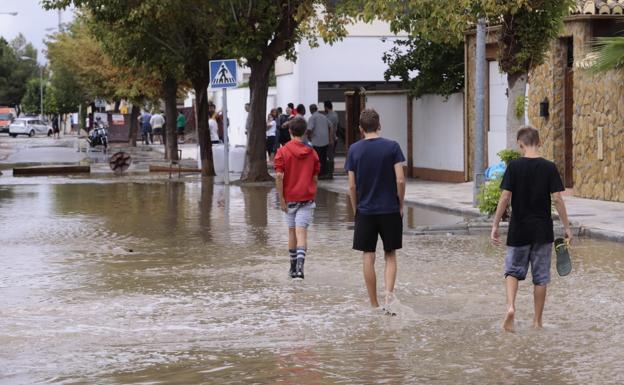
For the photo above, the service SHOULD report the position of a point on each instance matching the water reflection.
(185, 283)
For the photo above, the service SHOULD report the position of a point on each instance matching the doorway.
(568, 98)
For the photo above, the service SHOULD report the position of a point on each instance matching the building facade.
(580, 114)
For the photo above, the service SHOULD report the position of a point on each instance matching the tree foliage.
(527, 26)
(16, 69)
(609, 54)
(427, 67)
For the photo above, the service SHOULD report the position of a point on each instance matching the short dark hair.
(279, 109)
(313, 108)
(369, 120)
(292, 106)
(301, 109)
(529, 136)
(297, 126)
(328, 105)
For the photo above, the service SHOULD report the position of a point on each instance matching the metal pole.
(41, 91)
(199, 161)
(479, 167)
(226, 141)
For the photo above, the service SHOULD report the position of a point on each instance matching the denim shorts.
(539, 256)
(300, 214)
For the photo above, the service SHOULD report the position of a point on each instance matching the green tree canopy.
(18, 63)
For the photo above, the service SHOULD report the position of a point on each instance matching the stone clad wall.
(598, 102)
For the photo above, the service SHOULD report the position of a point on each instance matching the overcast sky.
(32, 21)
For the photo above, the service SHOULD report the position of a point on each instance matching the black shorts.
(369, 227)
(270, 145)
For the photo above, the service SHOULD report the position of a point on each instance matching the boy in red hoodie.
(297, 167)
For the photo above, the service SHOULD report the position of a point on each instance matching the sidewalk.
(594, 218)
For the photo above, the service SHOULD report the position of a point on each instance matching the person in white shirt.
(157, 121)
(271, 132)
(214, 131)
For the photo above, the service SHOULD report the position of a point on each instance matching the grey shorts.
(300, 214)
(539, 256)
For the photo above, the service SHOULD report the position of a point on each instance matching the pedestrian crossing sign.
(223, 73)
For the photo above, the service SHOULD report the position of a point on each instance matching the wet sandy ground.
(185, 283)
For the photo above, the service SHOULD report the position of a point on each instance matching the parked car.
(30, 127)
(7, 114)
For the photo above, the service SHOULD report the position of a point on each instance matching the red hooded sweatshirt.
(299, 164)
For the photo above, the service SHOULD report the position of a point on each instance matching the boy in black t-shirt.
(528, 183)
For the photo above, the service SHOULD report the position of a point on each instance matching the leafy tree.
(141, 34)
(31, 102)
(526, 29)
(438, 67)
(261, 31)
(92, 74)
(15, 71)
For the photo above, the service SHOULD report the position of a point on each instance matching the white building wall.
(438, 126)
(392, 110)
(355, 58)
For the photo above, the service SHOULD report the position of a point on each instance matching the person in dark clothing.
(528, 184)
(377, 192)
(282, 131)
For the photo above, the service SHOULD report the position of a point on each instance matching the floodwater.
(185, 283)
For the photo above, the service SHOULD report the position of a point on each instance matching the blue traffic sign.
(223, 73)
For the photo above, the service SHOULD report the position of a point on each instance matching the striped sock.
(293, 254)
(301, 252)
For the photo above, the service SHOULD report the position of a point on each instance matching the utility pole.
(479, 167)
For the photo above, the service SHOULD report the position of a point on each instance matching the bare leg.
(370, 278)
(292, 239)
(512, 290)
(302, 237)
(390, 271)
(539, 296)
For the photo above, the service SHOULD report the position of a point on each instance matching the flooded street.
(186, 283)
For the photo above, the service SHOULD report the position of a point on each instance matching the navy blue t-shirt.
(372, 161)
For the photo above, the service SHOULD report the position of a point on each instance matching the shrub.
(489, 194)
(507, 155)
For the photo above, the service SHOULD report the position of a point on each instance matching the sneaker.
(293, 268)
(387, 307)
(299, 268)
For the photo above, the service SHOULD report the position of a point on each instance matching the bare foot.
(537, 325)
(508, 323)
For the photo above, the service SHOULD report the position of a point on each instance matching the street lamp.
(40, 85)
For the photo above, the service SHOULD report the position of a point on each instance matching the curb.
(578, 228)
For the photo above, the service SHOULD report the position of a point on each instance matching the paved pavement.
(594, 218)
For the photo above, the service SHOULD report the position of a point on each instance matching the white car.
(30, 127)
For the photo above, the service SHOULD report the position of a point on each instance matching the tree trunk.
(134, 125)
(203, 129)
(255, 169)
(170, 89)
(516, 85)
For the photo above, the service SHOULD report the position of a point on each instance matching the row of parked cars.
(29, 126)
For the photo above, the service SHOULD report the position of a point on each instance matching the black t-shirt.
(531, 181)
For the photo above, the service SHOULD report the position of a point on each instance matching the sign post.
(223, 75)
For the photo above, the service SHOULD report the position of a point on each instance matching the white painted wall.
(497, 135)
(392, 110)
(355, 58)
(438, 137)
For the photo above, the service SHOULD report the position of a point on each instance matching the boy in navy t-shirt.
(529, 183)
(377, 190)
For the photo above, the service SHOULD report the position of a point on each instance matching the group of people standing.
(153, 126)
(321, 133)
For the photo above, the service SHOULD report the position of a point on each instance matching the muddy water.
(173, 283)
